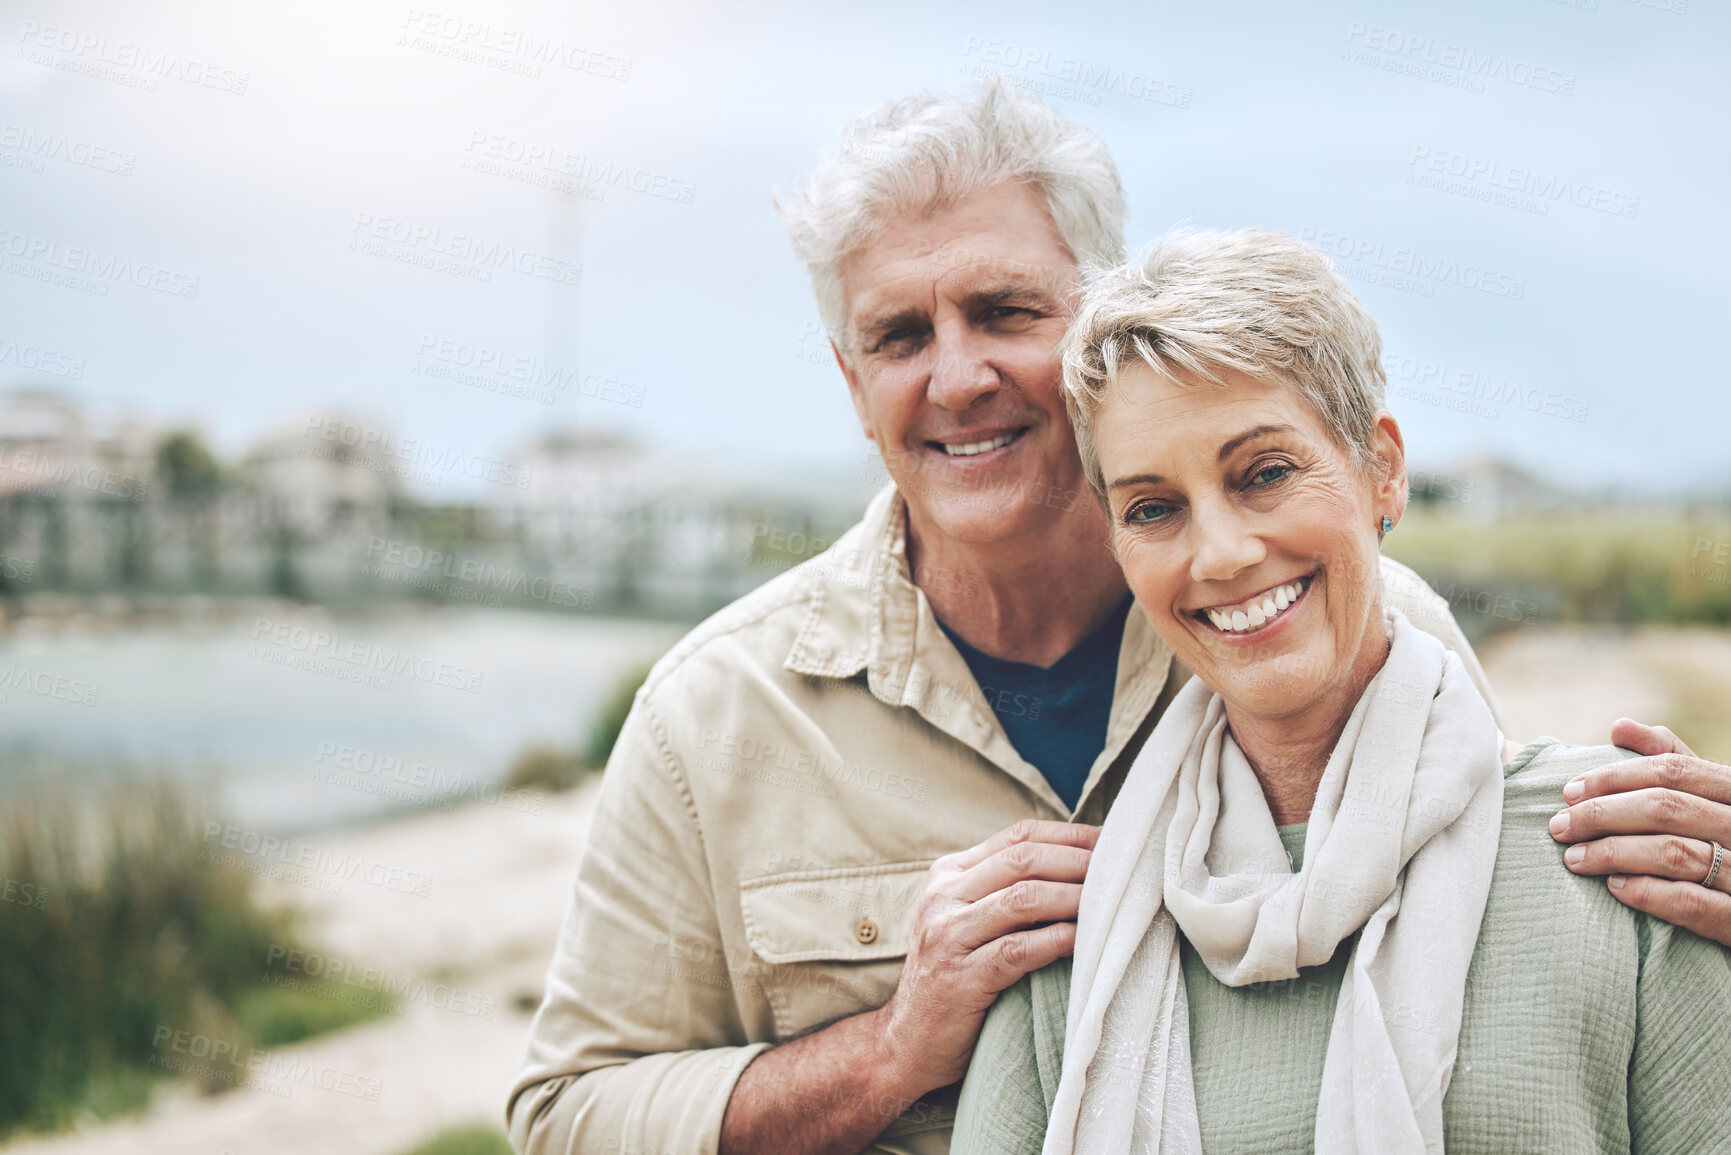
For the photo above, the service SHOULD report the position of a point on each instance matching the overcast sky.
(1526, 193)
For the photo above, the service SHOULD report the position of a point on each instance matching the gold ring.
(1713, 871)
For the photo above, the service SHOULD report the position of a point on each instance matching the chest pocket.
(830, 942)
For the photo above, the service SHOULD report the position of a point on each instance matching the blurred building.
(72, 491)
(1497, 490)
(309, 501)
(646, 527)
(336, 509)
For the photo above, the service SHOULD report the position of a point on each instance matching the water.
(297, 719)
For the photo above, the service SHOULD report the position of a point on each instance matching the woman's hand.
(1649, 823)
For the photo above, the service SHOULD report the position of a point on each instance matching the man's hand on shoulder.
(988, 915)
(1650, 824)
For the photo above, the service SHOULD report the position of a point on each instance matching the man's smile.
(975, 444)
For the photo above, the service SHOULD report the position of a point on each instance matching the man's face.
(953, 322)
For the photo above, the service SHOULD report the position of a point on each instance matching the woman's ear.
(1390, 449)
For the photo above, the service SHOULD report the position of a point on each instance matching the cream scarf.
(1405, 823)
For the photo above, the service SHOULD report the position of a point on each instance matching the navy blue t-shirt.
(1056, 717)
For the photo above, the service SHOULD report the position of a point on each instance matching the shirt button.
(866, 931)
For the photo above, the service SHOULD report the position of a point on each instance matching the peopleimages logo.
(50, 469)
(1464, 389)
(106, 58)
(230, 1061)
(76, 691)
(1427, 58)
(508, 49)
(106, 268)
(364, 770)
(317, 650)
(331, 973)
(409, 562)
(38, 359)
(252, 848)
(1423, 268)
(37, 147)
(1068, 76)
(432, 247)
(412, 451)
(540, 156)
(1485, 178)
(493, 365)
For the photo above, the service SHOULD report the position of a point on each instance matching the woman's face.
(1249, 536)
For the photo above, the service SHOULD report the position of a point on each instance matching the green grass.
(546, 768)
(1621, 565)
(277, 1016)
(128, 928)
(472, 1139)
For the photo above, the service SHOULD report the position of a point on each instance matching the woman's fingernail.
(1575, 855)
(1559, 822)
(1616, 881)
(1575, 789)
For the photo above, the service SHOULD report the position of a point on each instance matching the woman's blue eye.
(1147, 513)
(1269, 474)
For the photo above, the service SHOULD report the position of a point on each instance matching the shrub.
(473, 1139)
(116, 924)
(606, 729)
(546, 768)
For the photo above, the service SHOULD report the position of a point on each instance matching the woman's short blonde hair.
(1255, 301)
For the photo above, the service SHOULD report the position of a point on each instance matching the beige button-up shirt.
(788, 773)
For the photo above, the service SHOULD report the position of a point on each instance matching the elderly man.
(852, 807)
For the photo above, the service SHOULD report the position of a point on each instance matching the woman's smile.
(1259, 615)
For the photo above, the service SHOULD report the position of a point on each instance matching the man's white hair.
(925, 154)
(1196, 306)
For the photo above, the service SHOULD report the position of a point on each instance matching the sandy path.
(1572, 682)
(1569, 683)
(487, 925)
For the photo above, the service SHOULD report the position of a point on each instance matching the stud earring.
(1387, 523)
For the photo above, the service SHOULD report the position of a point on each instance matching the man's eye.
(1269, 474)
(1147, 513)
(897, 341)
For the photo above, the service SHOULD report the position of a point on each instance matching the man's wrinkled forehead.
(977, 256)
(890, 279)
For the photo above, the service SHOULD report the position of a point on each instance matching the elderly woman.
(1325, 912)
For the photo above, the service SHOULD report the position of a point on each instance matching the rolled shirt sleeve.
(619, 1054)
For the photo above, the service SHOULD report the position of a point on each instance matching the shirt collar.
(867, 615)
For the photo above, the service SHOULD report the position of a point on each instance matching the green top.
(1587, 1027)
